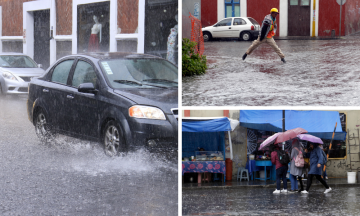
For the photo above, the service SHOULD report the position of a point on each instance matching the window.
(338, 148)
(232, 8)
(294, 2)
(61, 71)
(238, 21)
(305, 3)
(84, 73)
(225, 22)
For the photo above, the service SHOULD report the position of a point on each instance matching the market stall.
(203, 144)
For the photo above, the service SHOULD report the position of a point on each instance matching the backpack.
(324, 157)
(299, 160)
(284, 158)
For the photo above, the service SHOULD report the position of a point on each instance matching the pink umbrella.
(289, 134)
(310, 138)
(282, 137)
(269, 140)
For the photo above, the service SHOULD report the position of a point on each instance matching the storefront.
(52, 29)
(204, 146)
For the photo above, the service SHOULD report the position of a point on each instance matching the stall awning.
(208, 124)
(317, 123)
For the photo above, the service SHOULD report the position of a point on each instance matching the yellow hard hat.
(274, 10)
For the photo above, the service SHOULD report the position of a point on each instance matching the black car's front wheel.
(113, 139)
(42, 127)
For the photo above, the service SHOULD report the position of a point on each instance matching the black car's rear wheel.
(245, 36)
(42, 127)
(113, 139)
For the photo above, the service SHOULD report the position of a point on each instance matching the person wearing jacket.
(316, 164)
(268, 30)
(295, 172)
(281, 170)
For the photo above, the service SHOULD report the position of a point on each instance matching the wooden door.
(299, 18)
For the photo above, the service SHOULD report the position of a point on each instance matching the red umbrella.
(289, 134)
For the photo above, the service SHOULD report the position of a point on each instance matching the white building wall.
(221, 10)
(283, 10)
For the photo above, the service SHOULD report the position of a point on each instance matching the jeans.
(294, 182)
(318, 177)
(281, 174)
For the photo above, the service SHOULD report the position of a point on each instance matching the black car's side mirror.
(87, 88)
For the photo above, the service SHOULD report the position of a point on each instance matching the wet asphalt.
(261, 201)
(73, 177)
(317, 72)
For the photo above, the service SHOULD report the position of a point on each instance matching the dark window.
(254, 22)
(12, 46)
(294, 2)
(93, 27)
(84, 73)
(232, 8)
(225, 22)
(63, 48)
(305, 3)
(338, 148)
(61, 72)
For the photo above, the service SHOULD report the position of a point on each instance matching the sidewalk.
(332, 182)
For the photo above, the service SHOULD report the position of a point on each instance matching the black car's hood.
(165, 99)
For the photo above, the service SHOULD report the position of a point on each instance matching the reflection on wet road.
(317, 72)
(261, 201)
(74, 177)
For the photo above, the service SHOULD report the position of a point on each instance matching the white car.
(16, 71)
(245, 28)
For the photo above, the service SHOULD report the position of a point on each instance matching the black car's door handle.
(45, 90)
(70, 97)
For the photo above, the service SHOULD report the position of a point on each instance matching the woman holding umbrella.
(316, 162)
(294, 170)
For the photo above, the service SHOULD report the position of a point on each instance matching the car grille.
(175, 112)
(23, 89)
(26, 79)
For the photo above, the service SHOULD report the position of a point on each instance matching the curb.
(224, 187)
(309, 38)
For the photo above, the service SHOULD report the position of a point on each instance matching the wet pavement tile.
(317, 72)
(261, 201)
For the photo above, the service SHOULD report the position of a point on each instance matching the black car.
(124, 100)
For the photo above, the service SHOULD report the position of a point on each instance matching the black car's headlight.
(146, 112)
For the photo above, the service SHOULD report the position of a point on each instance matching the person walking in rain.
(268, 30)
(281, 171)
(295, 171)
(316, 164)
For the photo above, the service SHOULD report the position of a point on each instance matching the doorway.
(299, 20)
(42, 37)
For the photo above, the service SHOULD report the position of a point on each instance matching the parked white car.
(245, 28)
(16, 71)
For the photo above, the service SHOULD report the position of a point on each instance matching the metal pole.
(231, 151)
(341, 2)
(283, 127)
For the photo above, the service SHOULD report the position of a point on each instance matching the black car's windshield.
(140, 73)
(16, 61)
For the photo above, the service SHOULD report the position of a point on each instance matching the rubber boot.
(244, 56)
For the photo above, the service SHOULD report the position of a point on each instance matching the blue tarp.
(211, 125)
(204, 133)
(317, 123)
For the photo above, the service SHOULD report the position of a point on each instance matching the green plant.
(192, 63)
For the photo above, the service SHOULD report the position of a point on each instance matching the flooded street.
(261, 201)
(317, 72)
(74, 177)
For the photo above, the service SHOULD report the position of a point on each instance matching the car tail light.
(252, 27)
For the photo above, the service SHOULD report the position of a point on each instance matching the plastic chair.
(242, 172)
(215, 177)
(239, 173)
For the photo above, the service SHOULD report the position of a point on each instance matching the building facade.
(47, 30)
(296, 18)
